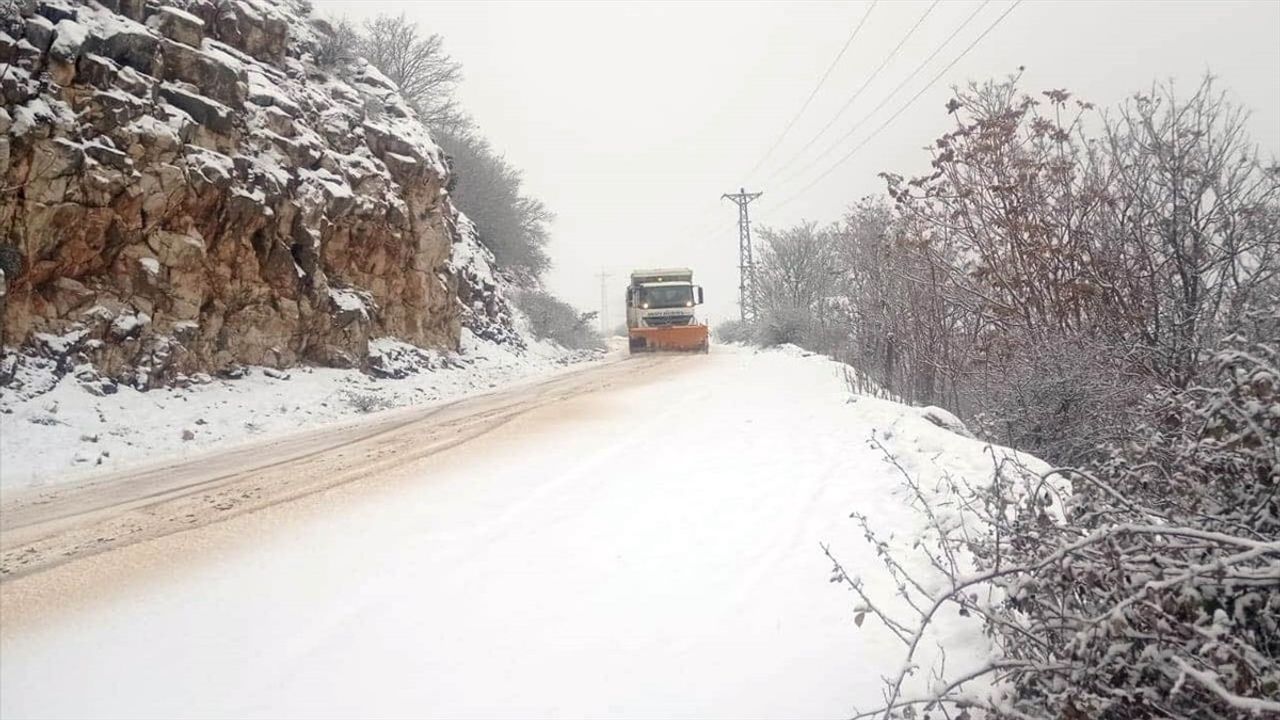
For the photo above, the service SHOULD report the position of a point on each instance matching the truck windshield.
(670, 296)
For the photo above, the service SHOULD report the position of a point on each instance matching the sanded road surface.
(637, 539)
(40, 529)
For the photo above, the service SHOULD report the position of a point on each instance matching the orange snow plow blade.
(677, 338)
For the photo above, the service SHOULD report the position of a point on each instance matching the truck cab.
(661, 312)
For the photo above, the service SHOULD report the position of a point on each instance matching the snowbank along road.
(638, 539)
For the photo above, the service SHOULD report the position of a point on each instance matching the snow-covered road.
(649, 549)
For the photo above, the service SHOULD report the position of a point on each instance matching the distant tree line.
(485, 185)
(1101, 289)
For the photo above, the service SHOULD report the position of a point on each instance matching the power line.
(768, 153)
(827, 151)
(857, 93)
(861, 22)
(900, 110)
(707, 231)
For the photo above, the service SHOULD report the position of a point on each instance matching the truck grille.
(665, 320)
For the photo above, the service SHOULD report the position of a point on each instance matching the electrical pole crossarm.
(741, 196)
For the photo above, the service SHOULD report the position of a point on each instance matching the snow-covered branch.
(1145, 588)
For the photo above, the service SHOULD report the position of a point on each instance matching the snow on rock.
(128, 325)
(469, 255)
(312, 179)
(350, 301)
(39, 113)
(68, 38)
(486, 311)
(391, 358)
(263, 92)
(178, 25)
(57, 345)
(944, 419)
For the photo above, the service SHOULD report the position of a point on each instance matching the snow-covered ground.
(650, 550)
(68, 432)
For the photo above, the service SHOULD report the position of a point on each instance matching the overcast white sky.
(630, 119)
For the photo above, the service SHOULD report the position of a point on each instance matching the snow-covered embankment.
(63, 430)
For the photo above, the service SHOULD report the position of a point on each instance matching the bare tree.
(340, 41)
(1085, 270)
(488, 188)
(795, 276)
(901, 329)
(426, 74)
(1192, 221)
(1043, 277)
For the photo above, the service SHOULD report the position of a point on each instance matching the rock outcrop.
(183, 189)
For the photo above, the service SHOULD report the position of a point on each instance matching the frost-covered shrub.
(795, 278)
(339, 41)
(366, 402)
(784, 324)
(1060, 397)
(551, 318)
(1164, 595)
(1150, 589)
(733, 331)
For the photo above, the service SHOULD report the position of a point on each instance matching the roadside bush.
(366, 402)
(733, 331)
(551, 318)
(1150, 589)
(783, 324)
(1064, 397)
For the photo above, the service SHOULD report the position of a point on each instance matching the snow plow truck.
(660, 312)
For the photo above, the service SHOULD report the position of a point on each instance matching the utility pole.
(746, 266)
(604, 302)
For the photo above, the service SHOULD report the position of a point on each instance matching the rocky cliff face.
(183, 189)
